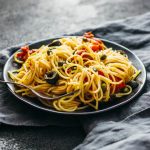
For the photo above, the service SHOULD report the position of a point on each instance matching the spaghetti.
(74, 63)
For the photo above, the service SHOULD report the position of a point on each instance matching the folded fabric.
(126, 127)
(132, 133)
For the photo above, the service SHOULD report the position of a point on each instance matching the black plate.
(104, 107)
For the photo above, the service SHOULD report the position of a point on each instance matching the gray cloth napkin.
(127, 127)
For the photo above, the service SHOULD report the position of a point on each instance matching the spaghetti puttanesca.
(75, 63)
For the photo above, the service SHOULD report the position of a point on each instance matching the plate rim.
(76, 113)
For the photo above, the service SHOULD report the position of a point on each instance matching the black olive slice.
(55, 43)
(133, 84)
(103, 57)
(51, 77)
(61, 63)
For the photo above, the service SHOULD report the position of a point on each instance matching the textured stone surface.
(26, 20)
(43, 138)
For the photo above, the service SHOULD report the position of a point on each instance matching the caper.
(74, 67)
(133, 84)
(9, 74)
(122, 53)
(74, 52)
(125, 90)
(104, 87)
(61, 63)
(85, 39)
(51, 77)
(55, 43)
(49, 52)
(103, 57)
(95, 69)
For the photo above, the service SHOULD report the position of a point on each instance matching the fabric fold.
(126, 127)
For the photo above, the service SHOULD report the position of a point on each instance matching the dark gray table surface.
(28, 20)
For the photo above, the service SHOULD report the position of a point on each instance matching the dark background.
(28, 20)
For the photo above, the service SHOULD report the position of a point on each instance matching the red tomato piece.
(85, 79)
(24, 54)
(100, 73)
(25, 57)
(25, 49)
(100, 47)
(80, 52)
(88, 35)
(32, 51)
(95, 42)
(95, 48)
(69, 70)
(98, 40)
(119, 86)
(19, 54)
(86, 56)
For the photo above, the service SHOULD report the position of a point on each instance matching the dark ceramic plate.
(103, 107)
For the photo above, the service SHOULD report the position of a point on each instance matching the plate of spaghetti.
(105, 74)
